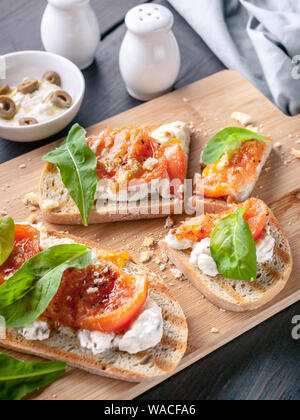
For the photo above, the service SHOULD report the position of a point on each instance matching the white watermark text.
(296, 329)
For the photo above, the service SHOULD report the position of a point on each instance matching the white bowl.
(34, 64)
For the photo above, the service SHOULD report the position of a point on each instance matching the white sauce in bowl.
(34, 105)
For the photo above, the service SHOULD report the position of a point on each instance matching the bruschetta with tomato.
(232, 162)
(240, 259)
(72, 300)
(137, 173)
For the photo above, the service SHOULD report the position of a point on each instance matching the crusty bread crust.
(159, 361)
(51, 187)
(241, 296)
(202, 205)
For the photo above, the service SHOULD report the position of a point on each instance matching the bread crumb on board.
(214, 331)
(176, 273)
(146, 256)
(32, 219)
(241, 118)
(31, 199)
(3, 213)
(162, 267)
(253, 128)
(296, 153)
(164, 258)
(277, 145)
(169, 222)
(149, 242)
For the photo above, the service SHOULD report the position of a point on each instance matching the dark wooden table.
(262, 364)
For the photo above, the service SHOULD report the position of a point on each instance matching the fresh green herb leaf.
(77, 165)
(18, 378)
(233, 248)
(227, 141)
(28, 293)
(7, 238)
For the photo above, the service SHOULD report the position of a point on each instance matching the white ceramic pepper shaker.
(149, 55)
(70, 28)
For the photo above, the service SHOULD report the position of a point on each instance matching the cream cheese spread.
(144, 333)
(201, 255)
(175, 130)
(38, 331)
(36, 105)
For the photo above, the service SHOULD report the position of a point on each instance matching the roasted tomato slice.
(121, 155)
(230, 175)
(142, 149)
(177, 167)
(256, 215)
(27, 245)
(122, 300)
(202, 227)
(100, 298)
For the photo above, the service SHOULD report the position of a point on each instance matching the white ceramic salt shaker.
(70, 28)
(149, 55)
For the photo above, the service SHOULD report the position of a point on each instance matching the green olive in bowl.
(52, 77)
(27, 121)
(61, 99)
(29, 86)
(8, 108)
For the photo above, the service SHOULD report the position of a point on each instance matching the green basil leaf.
(18, 378)
(27, 294)
(7, 238)
(234, 249)
(227, 141)
(77, 165)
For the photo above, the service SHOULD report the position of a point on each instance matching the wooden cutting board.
(209, 104)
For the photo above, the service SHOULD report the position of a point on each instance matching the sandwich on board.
(126, 174)
(240, 259)
(232, 162)
(70, 299)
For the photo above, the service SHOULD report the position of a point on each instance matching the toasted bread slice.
(239, 296)
(53, 190)
(245, 192)
(158, 361)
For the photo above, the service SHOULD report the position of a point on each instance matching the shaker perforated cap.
(147, 18)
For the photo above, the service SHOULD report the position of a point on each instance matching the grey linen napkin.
(258, 38)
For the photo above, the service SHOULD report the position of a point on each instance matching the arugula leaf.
(18, 378)
(7, 238)
(227, 141)
(28, 293)
(77, 165)
(234, 249)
